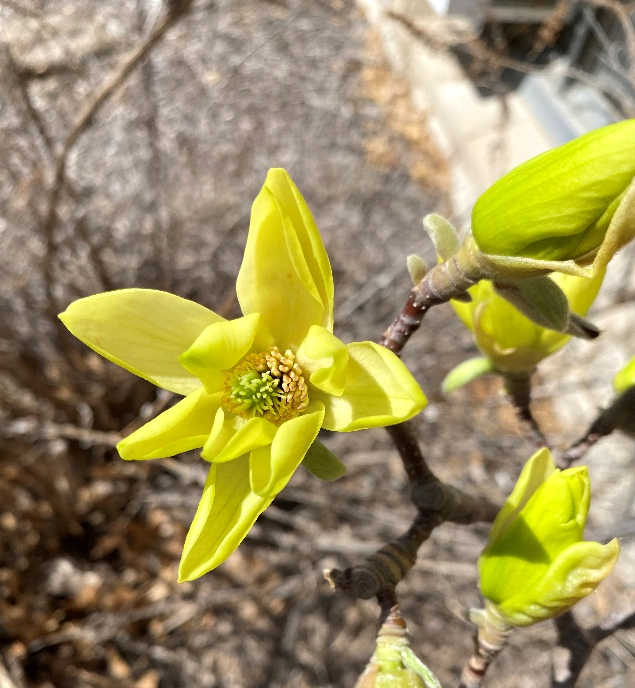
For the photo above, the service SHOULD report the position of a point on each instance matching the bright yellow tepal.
(567, 210)
(536, 564)
(257, 389)
(511, 341)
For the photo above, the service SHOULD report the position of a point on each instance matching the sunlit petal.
(219, 347)
(248, 435)
(271, 467)
(575, 573)
(183, 427)
(225, 514)
(379, 391)
(326, 357)
(285, 274)
(142, 330)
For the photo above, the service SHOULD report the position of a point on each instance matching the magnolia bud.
(569, 209)
(536, 564)
(511, 341)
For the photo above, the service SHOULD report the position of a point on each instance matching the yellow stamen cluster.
(268, 384)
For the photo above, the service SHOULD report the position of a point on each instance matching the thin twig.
(518, 389)
(379, 574)
(5, 679)
(488, 644)
(33, 427)
(87, 114)
(34, 114)
(446, 281)
(428, 493)
(620, 415)
(624, 16)
(575, 645)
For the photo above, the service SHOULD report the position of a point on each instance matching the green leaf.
(417, 268)
(412, 662)
(271, 467)
(322, 463)
(539, 299)
(443, 235)
(466, 372)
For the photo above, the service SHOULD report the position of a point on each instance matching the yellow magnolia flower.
(536, 564)
(567, 210)
(257, 389)
(511, 342)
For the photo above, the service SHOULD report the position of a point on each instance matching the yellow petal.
(271, 467)
(464, 310)
(251, 434)
(498, 320)
(285, 273)
(573, 575)
(225, 514)
(379, 391)
(142, 330)
(219, 347)
(534, 473)
(183, 427)
(326, 357)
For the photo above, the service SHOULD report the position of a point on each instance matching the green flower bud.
(511, 341)
(394, 664)
(416, 267)
(536, 564)
(567, 210)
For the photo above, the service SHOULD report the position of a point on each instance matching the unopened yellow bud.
(536, 564)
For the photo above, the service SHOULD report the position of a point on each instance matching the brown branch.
(575, 645)
(34, 428)
(624, 16)
(620, 415)
(21, 84)
(428, 493)
(446, 281)
(379, 574)
(488, 643)
(87, 114)
(518, 389)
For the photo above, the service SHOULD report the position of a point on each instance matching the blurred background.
(134, 135)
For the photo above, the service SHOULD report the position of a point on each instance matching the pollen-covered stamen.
(269, 384)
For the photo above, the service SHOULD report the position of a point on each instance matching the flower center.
(269, 384)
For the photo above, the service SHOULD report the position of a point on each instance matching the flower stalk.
(394, 664)
(491, 638)
(518, 388)
(620, 415)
